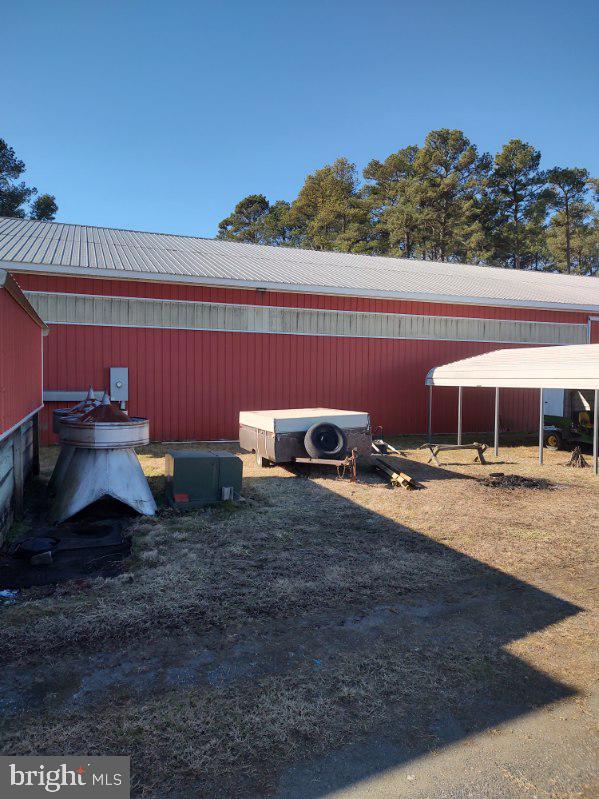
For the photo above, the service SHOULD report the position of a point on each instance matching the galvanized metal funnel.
(98, 460)
(95, 474)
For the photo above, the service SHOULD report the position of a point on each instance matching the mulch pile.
(516, 481)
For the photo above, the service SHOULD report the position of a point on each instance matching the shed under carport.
(567, 367)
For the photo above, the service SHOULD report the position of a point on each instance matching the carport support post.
(496, 427)
(430, 413)
(460, 393)
(596, 432)
(541, 424)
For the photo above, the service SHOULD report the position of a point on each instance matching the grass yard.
(330, 638)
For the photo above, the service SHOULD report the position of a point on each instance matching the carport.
(566, 367)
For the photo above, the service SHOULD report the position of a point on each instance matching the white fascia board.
(334, 291)
(590, 383)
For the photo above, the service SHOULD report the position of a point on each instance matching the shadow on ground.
(333, 644)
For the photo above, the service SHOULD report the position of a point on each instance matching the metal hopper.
(66, 452)
(103, 462)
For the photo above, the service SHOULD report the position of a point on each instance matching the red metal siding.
(192, 384)
(594, 331)
(20, 363)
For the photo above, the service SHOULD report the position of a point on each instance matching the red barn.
(207, 328)
(21, 332)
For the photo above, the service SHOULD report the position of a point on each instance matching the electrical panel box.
(196, 477)
(119, 384)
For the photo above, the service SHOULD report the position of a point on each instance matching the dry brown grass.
(296, 559)
(198, 736)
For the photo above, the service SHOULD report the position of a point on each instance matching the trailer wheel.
(325, 440)
(553, 440)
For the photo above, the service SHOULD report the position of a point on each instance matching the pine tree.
(442, 201)
(450, 180)
(329, 212)
(572, 239)
(392, 197)
(568, 189)
(256, 221)
(15, 195)
(44, 208)
(516, 189)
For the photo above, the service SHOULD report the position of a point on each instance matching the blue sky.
(162, 115)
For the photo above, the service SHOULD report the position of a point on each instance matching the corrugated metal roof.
(105, 252)
(575, 366)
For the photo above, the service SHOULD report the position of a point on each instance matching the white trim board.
(109, 311)
(82, 295)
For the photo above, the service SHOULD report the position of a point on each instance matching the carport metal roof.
(575, 366)
(569, 367)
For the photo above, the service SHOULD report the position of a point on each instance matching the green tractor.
(574, 426)
(561, 431)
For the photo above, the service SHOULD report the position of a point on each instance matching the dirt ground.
(325, 638)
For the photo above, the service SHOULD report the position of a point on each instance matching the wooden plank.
(435, 449)
(35, 435)
(18, 472)
(319, 461)
(407, 479)
(395, 478)
(27, 460)
(5, 459)
(6, 487)
(449, 447)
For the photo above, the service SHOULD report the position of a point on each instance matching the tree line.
(16, 197)
(442, 201)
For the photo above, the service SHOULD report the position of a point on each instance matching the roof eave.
(9, 284)
(335, 291)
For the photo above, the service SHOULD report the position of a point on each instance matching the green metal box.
(197, 477)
